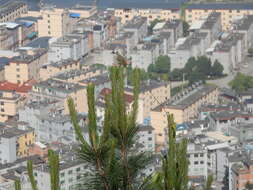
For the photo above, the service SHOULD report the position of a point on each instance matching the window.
(201, 155)
(18, 76)
(18, 69)
(62, 182)
(196, 155)
(196, 163)
(70, 172)
(62, 174)
(78, 169)
(70, 180)
(2, 103)
(201, 162)
(150, 138)
(2, 110)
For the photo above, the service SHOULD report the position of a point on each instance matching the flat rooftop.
(221, 6)
(61, 63)
(136, 22)
(8, 6)
(56, 85)
(190, 98)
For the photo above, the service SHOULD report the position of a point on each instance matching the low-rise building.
(144, 55)
(10, 103)
(62, 91)
(183, 106)
(151, 14)
(139, 26)
(74, 46)
(26, 66)
(222, 121)
(229, 12)
(54, 68)
(15, 142)
(242, 174)
(10, 10)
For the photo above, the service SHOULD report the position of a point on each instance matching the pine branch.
(17, 185)
(30, 174)
(54, 169)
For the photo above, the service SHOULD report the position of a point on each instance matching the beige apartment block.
(26, 66)
(54, 22)
(11, 10)
(229, 12)
(9, 104)
(150, 14)
(84, 11)
(151, 95)
(74, 76)
(184, 108)
(55, 68)
(62, 91)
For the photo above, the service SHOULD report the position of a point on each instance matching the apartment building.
(10, 102)
(26, 66)
(54, 22)
(145, 139)
(52, 69)
(100, 82)
(174, 27)
(183, 106)
(245, 26)
(152, 94)
(9, 36)
(229, 12)
(54, 126)
(71, 169)
(74, 46)
(229, 51)
(15, 141)
(10, 10)
(83, 11)
(74, 76)
(139, 26)
(242, 174)
(192, 46)
(151, 14)
(62, 91)
(144, 55)
(16, 34)
(198, 160)
(223, 120)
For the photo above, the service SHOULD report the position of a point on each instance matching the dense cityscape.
(126, 97)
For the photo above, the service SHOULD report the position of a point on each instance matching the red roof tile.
(22, 88)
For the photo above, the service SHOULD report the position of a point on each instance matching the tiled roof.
(22, 88)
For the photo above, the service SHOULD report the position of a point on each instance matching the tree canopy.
(241, 82)
(161, 66)
(196, 69)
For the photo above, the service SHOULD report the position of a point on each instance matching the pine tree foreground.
(113, 163)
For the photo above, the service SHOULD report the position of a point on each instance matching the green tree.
(250, 50)
(114, 163)
(17, 185)
(161, 66)
(209, 182)
(53, 168)
(143, 75)
(176, 74)
(249, 186)
(186, 27)
(174, 172)
(241, 82)
(217, 68)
